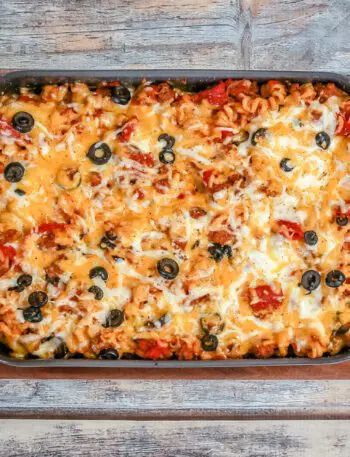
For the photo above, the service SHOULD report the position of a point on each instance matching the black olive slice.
(20, 192)
(343, 329)
(97, 292)
(168, 268)
(99, 153)
(61, 351)
(310, 280)
(260, 133)
(38, 299)
(216, 252)
(323, 140)
(284, 165)
(310, 237)
(32, 314)
(115, 318)
(342, 221)
(167, 156)
(120, 95)
(106, 243)
(240, 137)
(335, 278)
(23, 122)
(109, 354)
(98, 272)
(14, 172)
(209, 342)
(169, 140)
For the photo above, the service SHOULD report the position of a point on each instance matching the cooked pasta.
(160, 221)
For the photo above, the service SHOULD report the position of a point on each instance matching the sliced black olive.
(99, 153)
(24, 280)
(284, 165)
(118, 259)
(212, 323)
(167, 156)
(54, 280)
(32, 314)
(260, 133)
(169, 140)
(227, 250)
(342, 220)
(20, 192)
(111, 235)
(240, 137)
(323, 140)
(38, 299)
(168, 268)
(209, 342)
(23, 122)
(109, 354)
(14, 172)
(343, 329)
(121, 95)
(97, 292)
(335, 278)
(115, 318)
(106, 243)
(98, 272)
(130, 356)
(216, 252)
(61, 351)
(310, 280)
(310, 237)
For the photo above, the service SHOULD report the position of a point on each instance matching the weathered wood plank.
(174, 399)
(174, 439)
(227, 34)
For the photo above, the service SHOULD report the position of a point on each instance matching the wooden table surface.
(300, 411)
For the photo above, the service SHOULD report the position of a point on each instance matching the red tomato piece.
(143, 158)
(269, 299)
(266, 293)
(217, 95)
(8, 252)
(290, 230)
(345, 115)
(226, 134)
(207, 174)
(154, 349)
(51, 227)
(7, 128)
(128, 129)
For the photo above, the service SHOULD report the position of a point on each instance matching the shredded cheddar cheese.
(159, 223)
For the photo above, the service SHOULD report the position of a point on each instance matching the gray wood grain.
(227, 34)
(174, 399)
(174, 439)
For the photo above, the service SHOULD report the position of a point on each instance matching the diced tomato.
(345, 116)
(290, 230)
(269, 299)
(8, 252)
(207, 174)
(51, 227)
(143, 158)
(24, 98)
(226, 134)
(162, 186)
(266, 293)
(217, 95)
(128, 129)
(154, 349)
(7, 128)
(140, 195)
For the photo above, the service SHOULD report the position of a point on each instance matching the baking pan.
(11, 81)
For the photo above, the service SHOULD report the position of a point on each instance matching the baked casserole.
(170, 220)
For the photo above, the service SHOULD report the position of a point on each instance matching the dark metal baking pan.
(11, 81)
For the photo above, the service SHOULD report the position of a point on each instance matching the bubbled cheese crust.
(215, 192)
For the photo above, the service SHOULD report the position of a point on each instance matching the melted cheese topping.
(216, 193)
